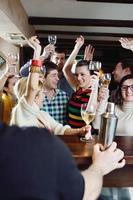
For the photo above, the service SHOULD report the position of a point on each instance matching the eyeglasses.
(125, 87)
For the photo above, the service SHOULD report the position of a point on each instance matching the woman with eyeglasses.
(124, 109)
(124, 112)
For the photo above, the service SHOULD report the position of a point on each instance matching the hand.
(47, 51)
(126, 43)
(89, 52)
(94, 80)
(11, 64)
(84, 130)
(35, 44)
(103, 93)
(79, 42)
(108, 160)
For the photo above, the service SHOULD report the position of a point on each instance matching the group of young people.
(42, 101)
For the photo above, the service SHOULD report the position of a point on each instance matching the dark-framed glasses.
(125, 87)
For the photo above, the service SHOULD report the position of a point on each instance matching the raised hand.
(89, 52)
(35, 44)
(103, 93)
(94, 81)
(12, 61)
(126, 43)
(47, 51)
(79, 42)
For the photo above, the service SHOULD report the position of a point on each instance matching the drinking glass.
(105, 80)
(94, 66)
(88, 112)
(12, 60)
(52, 39)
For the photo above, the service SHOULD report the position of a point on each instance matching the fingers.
(112, 147)
(119, 153)
(121, 164)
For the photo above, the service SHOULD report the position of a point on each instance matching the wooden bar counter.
(82, 152)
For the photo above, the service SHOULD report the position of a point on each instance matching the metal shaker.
(108, 126)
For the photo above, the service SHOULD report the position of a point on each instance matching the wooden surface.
(82, 154)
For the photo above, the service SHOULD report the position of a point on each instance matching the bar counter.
(82, 152)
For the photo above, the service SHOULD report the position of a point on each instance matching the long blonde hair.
(21, 85)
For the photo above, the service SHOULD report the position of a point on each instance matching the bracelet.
(36, 63)
(35, 69)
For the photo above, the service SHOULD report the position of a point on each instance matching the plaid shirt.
(56, 107)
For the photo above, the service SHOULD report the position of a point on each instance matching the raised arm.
(89, 52)
(68, 65)
(8, 71)
(126, 43)
(33, 78)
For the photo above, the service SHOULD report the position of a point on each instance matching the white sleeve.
(100, 110)
(53, 125)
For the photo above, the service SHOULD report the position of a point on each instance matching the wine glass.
(52, 39)
(88, 112)
(94, 66)
(12, 60)
(105, 80)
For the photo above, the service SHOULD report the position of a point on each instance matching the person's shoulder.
(29, 134)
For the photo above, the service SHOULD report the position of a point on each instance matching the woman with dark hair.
(124, 109)
(81, 82)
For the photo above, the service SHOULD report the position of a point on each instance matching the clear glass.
(105, 80)
(52, 39)
(12, 60)
(95, 66)
(88, 112)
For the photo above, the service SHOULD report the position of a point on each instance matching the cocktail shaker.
(108, 126)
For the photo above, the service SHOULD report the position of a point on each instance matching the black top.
(37, 165)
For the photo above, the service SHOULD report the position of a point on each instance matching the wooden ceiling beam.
(71, 42)
(79, 22)
(109, 1)
(83, 33)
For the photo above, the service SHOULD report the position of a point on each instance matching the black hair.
(49, 66)
(60, 50)
(7, 83)
(119, 93)
(82, 63)
(127, 63)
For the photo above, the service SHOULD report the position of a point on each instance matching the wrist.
(97, 168)
(37, 63)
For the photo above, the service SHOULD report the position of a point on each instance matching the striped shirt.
(79, 97)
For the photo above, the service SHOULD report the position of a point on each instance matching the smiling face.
(83, 76)
(127, 90)
(51, 80)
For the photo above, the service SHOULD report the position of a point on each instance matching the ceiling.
(102, 23)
